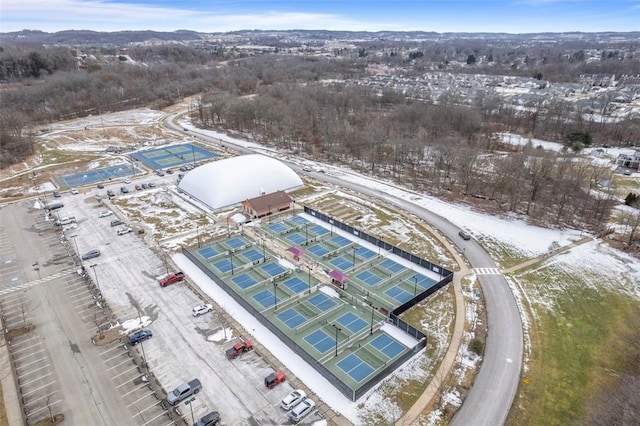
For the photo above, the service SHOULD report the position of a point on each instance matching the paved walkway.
(546, 256)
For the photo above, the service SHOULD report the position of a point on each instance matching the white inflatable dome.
(227, 182)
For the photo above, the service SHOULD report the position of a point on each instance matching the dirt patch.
(107, 337)
(58, 418)
(19, 331)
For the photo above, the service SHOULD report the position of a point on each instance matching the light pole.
(198, 234)
(306, 233)
(264, 253)
(337, 329)
(188, 402)
(309, 282)
(231, 260)
(415, 286)
(193, 153)
(75, 243)
(95, 273)
(372, 311)
(275, 295)
(354, 258)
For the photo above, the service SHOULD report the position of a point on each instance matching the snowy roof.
(230, 181)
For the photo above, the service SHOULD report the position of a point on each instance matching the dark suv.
(211, 419)
(116, 222)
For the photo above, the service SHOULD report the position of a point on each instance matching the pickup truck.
(183, 391)
(171, 278)
(239, 348)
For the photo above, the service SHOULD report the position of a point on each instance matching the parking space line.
(122, 363)
(51, 404)
(40, 399)
(27, 319)
(32, 362)
(22, 376)
(80, 296)
(92, 306)
(134, 390)
(13, 345)
(78, 290)
(37, 378)
(140, 399)
(37, 389)
(120, 374)
(153, 405)
(115, 356)
(110, 349)
(164, 413)
(32, 353)
(15, 351)
(89, 316)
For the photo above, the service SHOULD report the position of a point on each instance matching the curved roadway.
(489, 400)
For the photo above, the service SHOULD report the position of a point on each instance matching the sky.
(510, 16)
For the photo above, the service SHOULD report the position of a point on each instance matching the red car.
(171, 278)
(274, 379)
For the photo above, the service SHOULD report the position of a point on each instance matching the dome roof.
(230, 181)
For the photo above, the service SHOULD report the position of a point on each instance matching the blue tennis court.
(98, 175)
(353, 322)
(296, 238)
(422, 281)
(173, 155)
(318, 249)
(320, 341)
(224, 265)
(252, 255)
(244, 281)
(278, 228)
(392, 266)
(208, 252)
(273, 269)
(355, 367)
(369, 278)
(340, 241)
(364, 253)
(296, 285)
(299, 220)
(399, 294)
(319, 230)
(387, 345)
(291, 318)
(235, 243)
(265, 298)
(341, 263)
(322, 302)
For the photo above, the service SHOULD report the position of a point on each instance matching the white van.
(302, 410)
(66, 220)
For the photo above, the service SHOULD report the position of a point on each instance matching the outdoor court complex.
(325, 295)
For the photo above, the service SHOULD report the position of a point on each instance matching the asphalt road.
(489, 400)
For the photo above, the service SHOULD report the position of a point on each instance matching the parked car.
(464, 235)
(138, 187)
(306, 169)
(211, 419)
(171, 278)
(100, 186)
(627, 172)
(293, 399)
(183, 391)
(56, 194)
(123, 231)
(124, 189)
(65, 221)
(239, 348)
(74, 191)
(160, 173)
(116, 222)
(274, 379)
(127, 181)
(151, 185)
(144, 186)
(91, 254)
(201, 310)
(110, 193)
(139, 336)
(105, 213)
(302, 410)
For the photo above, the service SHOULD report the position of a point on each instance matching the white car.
(201, 310)
(123, 231)
(302, 410)
(293, 399)
(74, 191)
(105, 213)
(127, 181)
